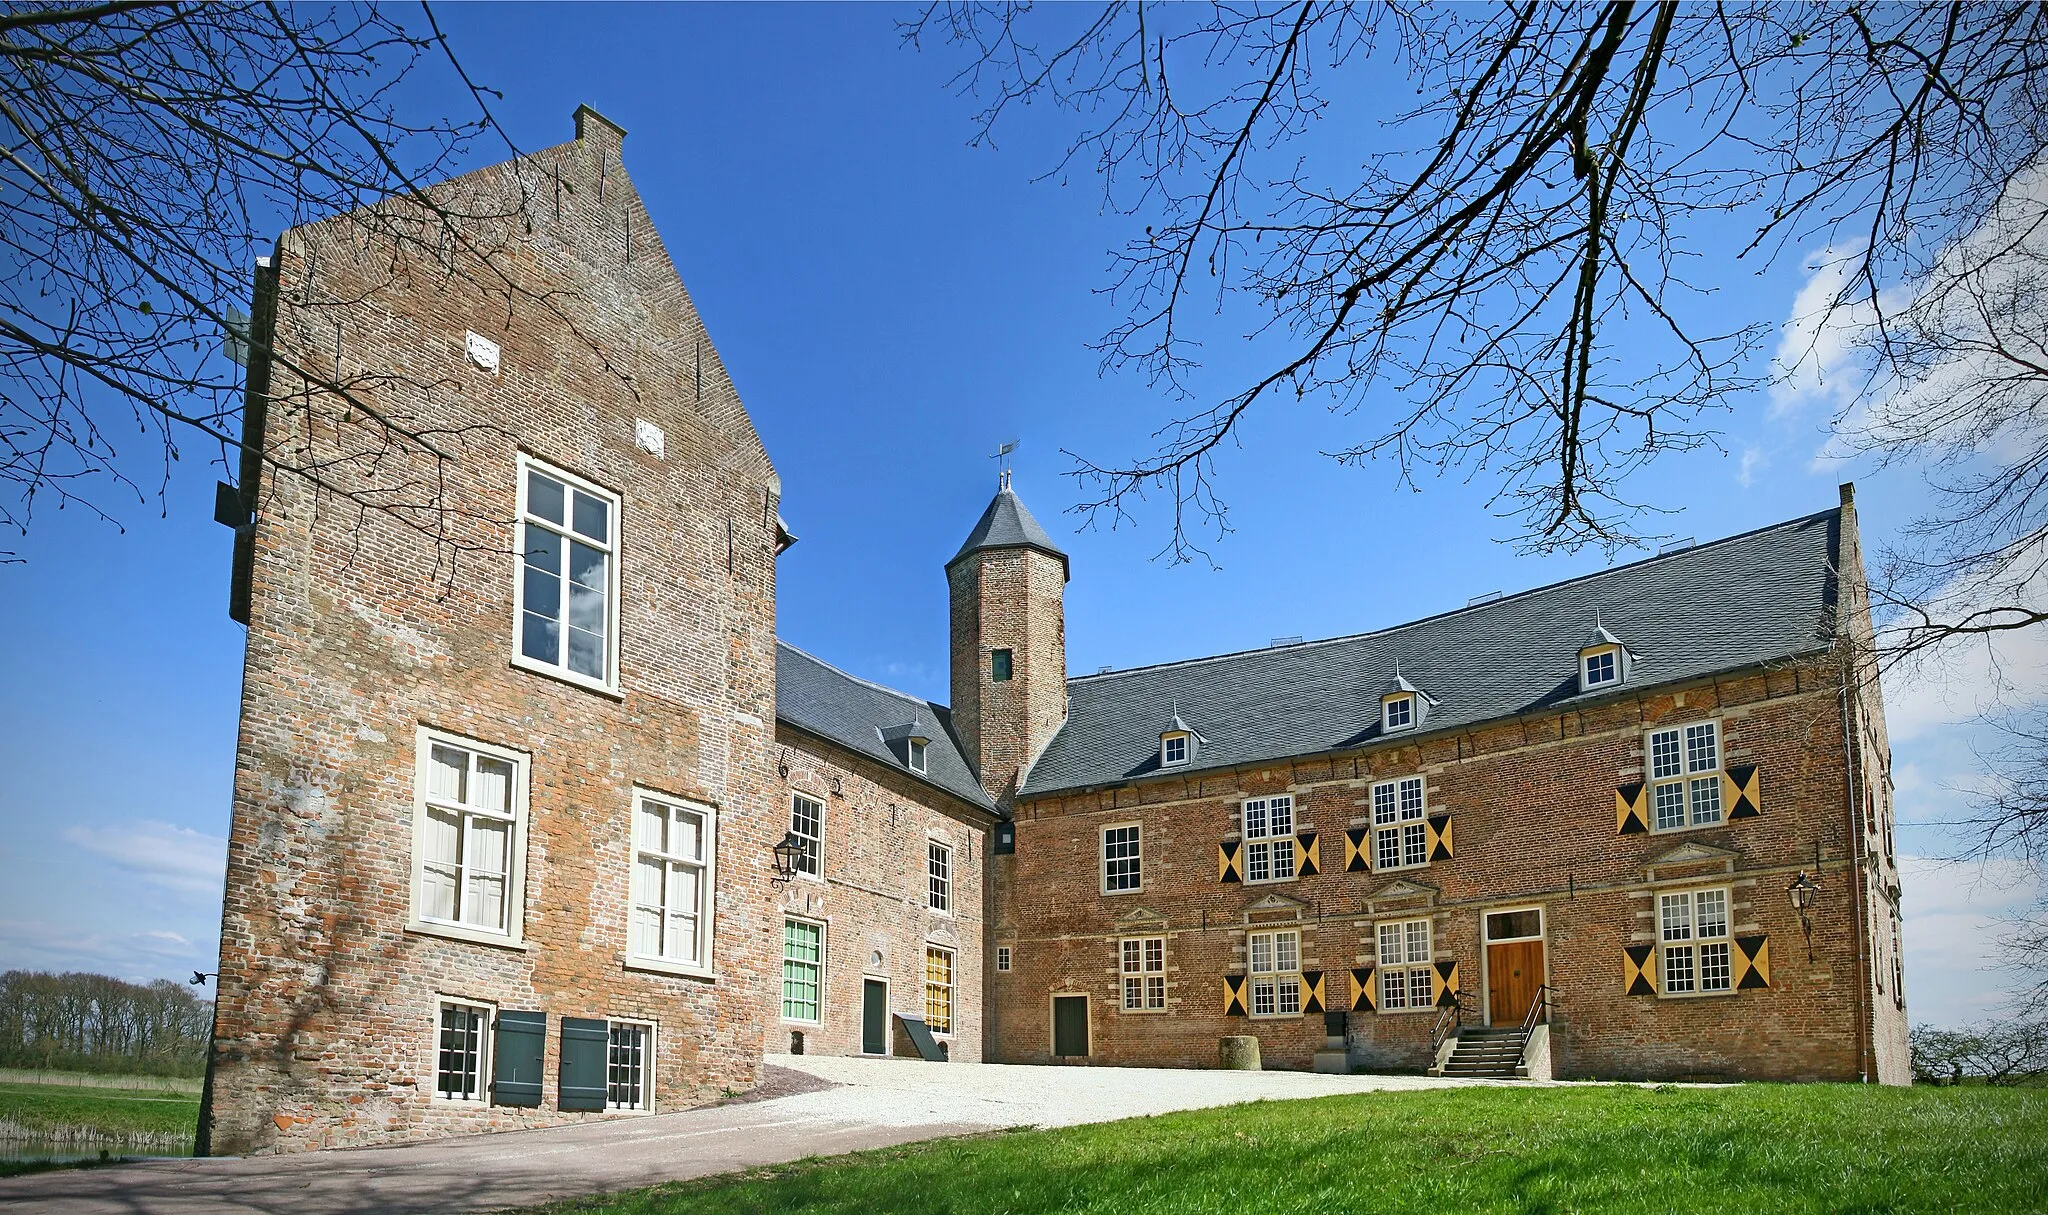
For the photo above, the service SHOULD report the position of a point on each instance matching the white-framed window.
(1692, 930)
(566, 599)
(939, 875)
(1403, 965)
(807, 823)
(938, 989)
(1003, 957)
(919, 751)
(1685, 776)
(1275, 965)
(1143, 964)
(1399, 836)
(462, 1056)
(629, 1065)
(1268, 838)
(803, 969)
(1173, 749)
(674, 844)
(1398, 712)
(468, 838)
(1122, 858)
(1600, 667)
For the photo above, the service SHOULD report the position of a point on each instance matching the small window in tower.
(917, 750)
(999, 666)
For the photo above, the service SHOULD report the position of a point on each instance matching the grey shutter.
(521, 1039)
(584, 1044)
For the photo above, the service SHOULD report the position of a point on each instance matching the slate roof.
(1754, 598)
(1007, 524)
(818, 698)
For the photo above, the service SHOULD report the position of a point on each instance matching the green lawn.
(115, 1112)
(1808, 1148)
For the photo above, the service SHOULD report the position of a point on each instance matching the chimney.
(594, 127)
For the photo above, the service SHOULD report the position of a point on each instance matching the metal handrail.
(1539, 1012)
(1446, 1027)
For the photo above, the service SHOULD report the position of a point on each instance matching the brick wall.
(1532, 806)
(1008, 599)
(872, 895)
(364, 629)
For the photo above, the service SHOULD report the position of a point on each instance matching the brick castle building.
(536, 820)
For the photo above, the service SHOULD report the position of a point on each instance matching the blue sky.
(892, 304)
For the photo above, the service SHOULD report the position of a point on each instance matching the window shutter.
(1308, 856)
(1740, 791)
(1443, 983)
(1229, 868)
(1361, 990)
(1752, 962)
(1356, 845)
(582, 1080)
(1639, 970)
(1312, 991)
(1438, 830)
(1631, 809)
(516, 1050)
(1233, 995)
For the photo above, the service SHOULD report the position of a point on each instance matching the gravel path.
(807, 1106)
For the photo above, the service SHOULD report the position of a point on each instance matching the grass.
(1808, 1148)
(115, 1114)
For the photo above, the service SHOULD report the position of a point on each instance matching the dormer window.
(917, 753)
(1173, 749)
(1399, 712)
(1601, 667)
(1402, 705)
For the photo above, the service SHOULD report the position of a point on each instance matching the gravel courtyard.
(825, 1106)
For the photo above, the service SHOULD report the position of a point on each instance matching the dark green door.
(1069, 1026)
(874, 1017)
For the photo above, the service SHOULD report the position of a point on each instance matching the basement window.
(463, 1058)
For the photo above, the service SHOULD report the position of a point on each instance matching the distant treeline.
(94, 1023)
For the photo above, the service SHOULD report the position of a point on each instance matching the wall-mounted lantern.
(1805, 895)
(786, 853)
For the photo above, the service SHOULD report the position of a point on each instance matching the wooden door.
(874, 1017)
(1069, 1026)
(1514, 970)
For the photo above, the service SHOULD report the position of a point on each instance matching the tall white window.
(807, 823)
(1399, 837)
(1269, 839)
(1693, 930)
(1144, 974)
(467, 843)
(568, 577)
(1685, 776)
(629, 1066)
(1121, 858)
(1002, 957)
(803, 969)
(463, 1054)
(1403, 963)
(939, 876)
(672, 875)
(1275, 965)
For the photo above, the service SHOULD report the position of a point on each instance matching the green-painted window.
(999, 665)
(803, 962)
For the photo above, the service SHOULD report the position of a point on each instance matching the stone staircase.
(1490, 1053)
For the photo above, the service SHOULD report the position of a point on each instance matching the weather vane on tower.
(1002, 459)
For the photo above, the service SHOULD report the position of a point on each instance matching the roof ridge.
(866, 683)
(1470, 607)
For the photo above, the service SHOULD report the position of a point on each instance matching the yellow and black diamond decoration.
(1229, 868)
(1443, 984)
(1355, 844)
(1361, 990)
(1312, 1000)
(1308, 855)
(1639, 970)
(1233, 995)
(1740, 791)
(1438, 828)
(1752, 962)
(1631, 809)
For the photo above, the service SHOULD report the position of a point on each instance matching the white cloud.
(1753, 458)
(1953, 922)
(179, 859)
